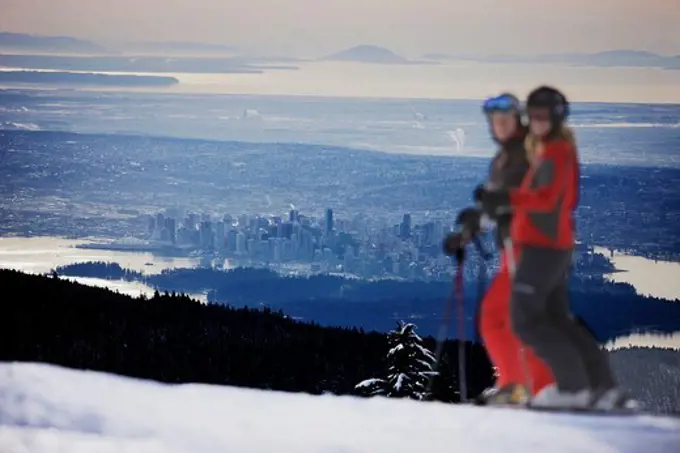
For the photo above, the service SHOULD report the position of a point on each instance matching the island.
(78, 78)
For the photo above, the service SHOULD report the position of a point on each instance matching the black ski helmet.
(551, 99)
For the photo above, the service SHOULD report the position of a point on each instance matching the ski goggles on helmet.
(502, 103)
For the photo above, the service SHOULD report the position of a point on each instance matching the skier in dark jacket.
(543, 228)
(519, 371)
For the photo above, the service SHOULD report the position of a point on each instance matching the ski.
(624, 412)
(588, 411)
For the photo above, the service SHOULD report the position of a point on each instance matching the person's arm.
(553, 176)
(515, 170)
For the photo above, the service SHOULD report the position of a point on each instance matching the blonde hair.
(534, 145)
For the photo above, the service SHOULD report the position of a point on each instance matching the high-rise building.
(206, 235)
(159, 227)
(220, 233)
(293, 216)
(405, 227)
(328, 224)
(306, 244)
(286, 230)
(171, 229)
(240, 243)
(263, 249)
(231, 240)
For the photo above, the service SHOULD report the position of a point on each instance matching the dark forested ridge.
(172, 338)
(611, 309)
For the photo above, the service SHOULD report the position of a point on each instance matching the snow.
(425, 352)
(368, 383)
(401, 377)
(395, 349)
(45, 408)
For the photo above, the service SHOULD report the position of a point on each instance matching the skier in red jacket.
(519, 371)
(543, 228)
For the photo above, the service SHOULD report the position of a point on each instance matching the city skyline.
(359, 246)
(306, 28)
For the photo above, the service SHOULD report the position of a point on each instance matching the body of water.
(623, 134)
(39, 255)
(42, 254)
(133, 289)
(453, 80)
(649, 277)
(449, 80)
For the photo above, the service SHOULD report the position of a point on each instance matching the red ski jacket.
(545, 201)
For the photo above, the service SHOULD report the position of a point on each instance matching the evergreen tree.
(409, 367)
(409, 364)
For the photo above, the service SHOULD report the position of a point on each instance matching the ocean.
(623, 116)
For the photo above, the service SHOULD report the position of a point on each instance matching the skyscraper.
(206, 235)
(405, 227)
(328, 224)
(293, 216)
(220, 233)
(240, 243)
(231, 240)
(171, 228)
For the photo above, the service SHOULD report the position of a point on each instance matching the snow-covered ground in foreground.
(44, 408)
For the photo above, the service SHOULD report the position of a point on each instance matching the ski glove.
(493, 202)
(453, 242)
(470, 219)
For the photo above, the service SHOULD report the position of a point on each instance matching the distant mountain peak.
(365, 53)
(627, 53)
(22, 41)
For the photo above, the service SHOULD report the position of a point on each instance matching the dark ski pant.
(502, 344)
(541, 317)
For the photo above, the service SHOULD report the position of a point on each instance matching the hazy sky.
(410, 27)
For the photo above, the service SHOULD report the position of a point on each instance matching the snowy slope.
(45, 408)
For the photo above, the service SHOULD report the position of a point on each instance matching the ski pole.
(443, 329)
(481, 292)
(512, 267)
(462, 374)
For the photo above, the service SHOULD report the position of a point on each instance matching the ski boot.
(552, 398)
(508, 395)
(485, 395)
(613, 400)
